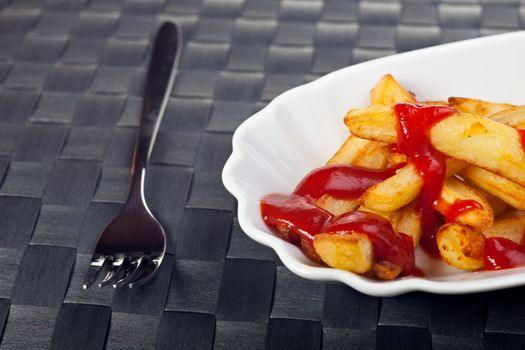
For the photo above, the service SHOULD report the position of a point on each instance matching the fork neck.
(136, 190)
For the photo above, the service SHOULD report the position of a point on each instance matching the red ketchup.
(296, 213)
(387, 244)
(304, 220)
(414, 123)
(341, 181)
(460, 206)
(500, 253)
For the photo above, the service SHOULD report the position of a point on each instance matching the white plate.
(300, 129)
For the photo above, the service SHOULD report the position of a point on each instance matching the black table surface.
(71, 75)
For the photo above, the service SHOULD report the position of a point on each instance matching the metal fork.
(132, 246)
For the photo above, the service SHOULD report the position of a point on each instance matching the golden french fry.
(385, 270)
(400, 189)
(336, 206)
(361, 152)
(408, 222)
(477, 140)
(351, 252)
(388, 92)
(499, 186)
(405, 220)
(477, 107)
(514, 117)
(395, 158)
(373, 123)
(455, 190)
(461, 246)
(498, 206)
(483, 142)
(434, 103)
(510, 228)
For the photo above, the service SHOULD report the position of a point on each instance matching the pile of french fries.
(485, 163)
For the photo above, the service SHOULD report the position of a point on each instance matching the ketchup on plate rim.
(501, 253)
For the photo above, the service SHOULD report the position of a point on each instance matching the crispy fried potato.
(498, 206)
(461, 246)
(477, 107)
(400, 189)
(351, 252)
(361, 152)
(373, 123)
(307, 247)
(408, 222)
(454, 190)
(395, 192)
(395, 158)
(510, 228)
(434, 103)
(385, 270)
(482, 142)
(336, 206)
(388, 92)
(514, 117)
(499, 186)
(405, 220)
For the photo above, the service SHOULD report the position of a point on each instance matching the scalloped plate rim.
(360, 283)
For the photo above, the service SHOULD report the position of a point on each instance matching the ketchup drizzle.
(294, 212)
(303, 220)
(341, 181)
(388, 245)
(414, 122)
(501, 253)
(460, 206)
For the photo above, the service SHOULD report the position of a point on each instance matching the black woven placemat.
(71, 75)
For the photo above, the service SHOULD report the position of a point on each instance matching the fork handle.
(157, 90)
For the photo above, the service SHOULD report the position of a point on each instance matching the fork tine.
(131, 273)
(123, 269)
(97, 264)
(111, 272)
(148, 271)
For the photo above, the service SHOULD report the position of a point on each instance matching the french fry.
(351, 252)
(510, 228)
(373, 123)
(498, 206)
(514, 117)
(395, 158)
(405, 220)
(408, 222)
(385, 270)
(455, 190)
(361, 152)
(388, 92)
(483, 142)
(477, 140)
(499, 186)
(439, 103)
(336, 206)
(400, 189)
(477, 107)
(461, 246)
